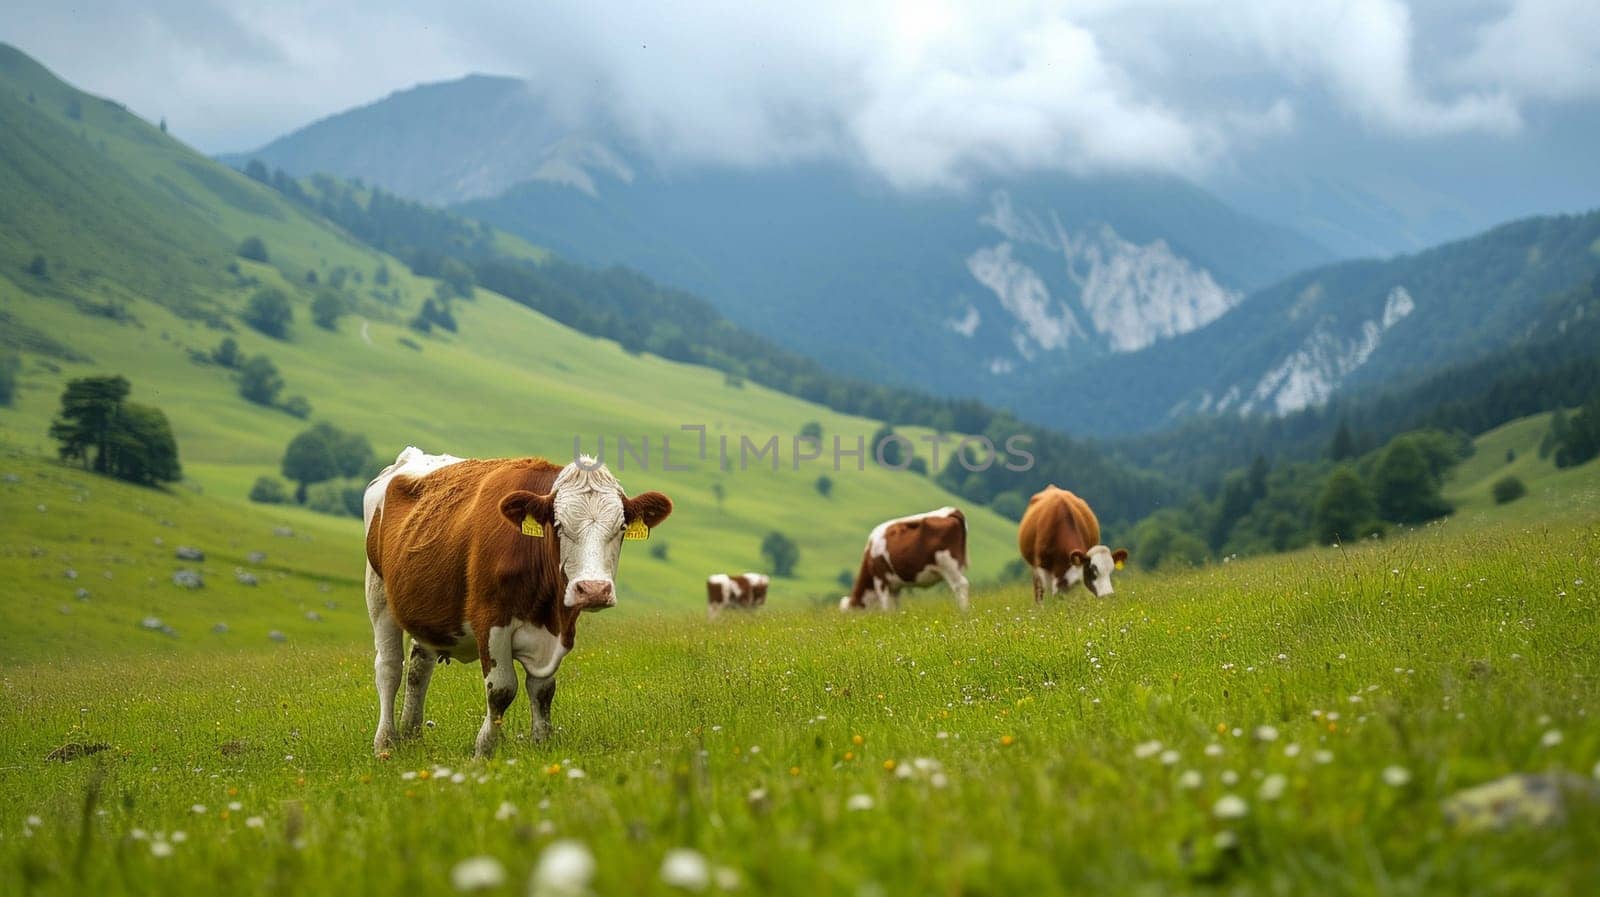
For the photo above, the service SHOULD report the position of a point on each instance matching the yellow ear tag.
(636, 531)
(1119, 565)
(532, 527)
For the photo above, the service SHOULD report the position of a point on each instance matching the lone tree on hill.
(1406, 484)
(322, 453)
(39, 267)
(110, 435)
(259, 381)
(269, 312)
(1345, 509)
(327, 309)
(253, 249)
(781, 552)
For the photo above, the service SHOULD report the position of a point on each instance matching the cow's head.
(1094, 567)
(586, 513)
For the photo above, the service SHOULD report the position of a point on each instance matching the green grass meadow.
(1086, 747)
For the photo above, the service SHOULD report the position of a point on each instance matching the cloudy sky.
(923, 93)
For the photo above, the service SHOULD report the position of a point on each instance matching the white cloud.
(921, 93)
(1549, 49)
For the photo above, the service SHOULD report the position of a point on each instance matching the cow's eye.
(1093, 573)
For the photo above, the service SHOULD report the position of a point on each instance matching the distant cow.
(1060, 540)
(912, 551)
(747, 591)
(492, 560)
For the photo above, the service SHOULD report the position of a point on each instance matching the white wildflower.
(728, 878)
(255, 822)
(1292, 749)
(198, 809)
(179, 837)
(576, 773)
(565, 868)
(1229, 778)
(1323, 757)
(1272, 787)
(685, 868)
(505, 811)
(1169, 758)
(1266, 733)
(859, 802)
(1551, 738)
(160, 849)
(1147, 749)
(1230, 806)
(1189, 780)
(478, 874)
(1225, 840)
(1213, 750)
(1396, 776)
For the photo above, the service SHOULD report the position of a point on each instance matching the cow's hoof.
(542, 732)
(382, 743)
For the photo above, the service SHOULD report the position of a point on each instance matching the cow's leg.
(886, 594)
(1039, 574)
(389, 642)
(950, 569)
(499, 685)
(419, 672)
(541, 694)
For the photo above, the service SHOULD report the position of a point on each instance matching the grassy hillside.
(1291, 724)
(1552, 492)
(512, 382)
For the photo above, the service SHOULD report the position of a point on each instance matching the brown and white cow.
(913, 551)
(492, 560)
(1060, 539)
(747, 591)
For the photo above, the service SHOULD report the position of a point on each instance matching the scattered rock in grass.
(277, 636)
(106, 575)
(40, 508)
(245, 578)
(37, 551)
(256, 557)
(313, 616)
(159, 541)
(283, 531)
(1522, 799)
(81, 593)
(70, 573)
(220, 629)
(64, 610)
(187, 579)
(72, 750)
(154, 624)
(10, 478)
(190, 553)
(324, 587)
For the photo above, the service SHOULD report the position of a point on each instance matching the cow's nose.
(593, 594)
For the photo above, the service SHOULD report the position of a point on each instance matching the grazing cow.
(1060, 539)
(493, 561)
(747, 591)
(912, 551)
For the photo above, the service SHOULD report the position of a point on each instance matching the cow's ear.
(1120, 556)
(651, 507)
(1077, 558)
(521, 505)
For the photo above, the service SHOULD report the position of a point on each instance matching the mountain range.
(1096, 306)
